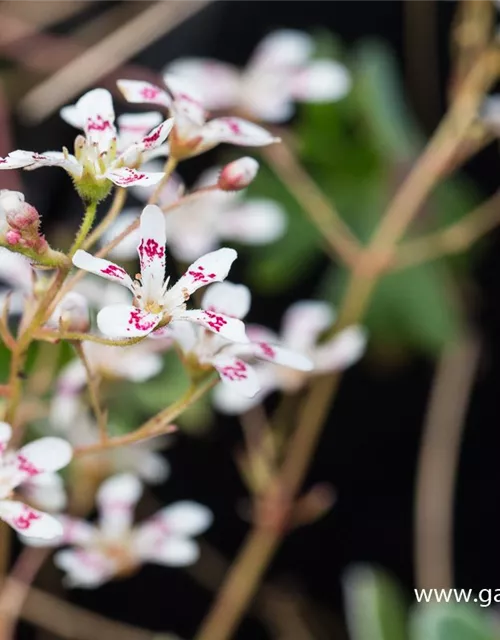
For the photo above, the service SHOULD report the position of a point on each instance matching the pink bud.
(25, 217)
(13, 237)
(238, 174)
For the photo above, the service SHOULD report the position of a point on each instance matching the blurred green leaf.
(450, 621)
(374, 606)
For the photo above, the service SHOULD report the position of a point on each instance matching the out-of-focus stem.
(438, 460)
(339, 239)
(93, 388)
(454, 239)
(74, 336)
(114, 211)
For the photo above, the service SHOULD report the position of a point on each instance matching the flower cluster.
(139, 317)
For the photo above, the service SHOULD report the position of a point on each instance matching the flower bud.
(71, 314)
(13, 237)
(238, 174)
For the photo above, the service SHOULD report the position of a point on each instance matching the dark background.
(369, 447)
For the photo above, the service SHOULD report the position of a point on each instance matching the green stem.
(86, 226)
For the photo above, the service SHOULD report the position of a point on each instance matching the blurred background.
(433, 320)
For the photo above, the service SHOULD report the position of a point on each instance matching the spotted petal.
(28, 521)
(137, 91)
(230, 299)
(148, 142)
(42, 456)
(134, 126)
(95, 110)
(279, 355)
(151, 251)
(174, 551)
(103, 268)
(229, 328)
(184, 518)
(30, 160)
(235, 131)
(237, 374)
(212, 267)
(126, 321)
(127, 177)
(116, 500)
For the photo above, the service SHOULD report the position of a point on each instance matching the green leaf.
(450, 621)
(374, 606)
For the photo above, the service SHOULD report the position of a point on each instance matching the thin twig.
(158, 425)
(438, 461)
(101, 415)
(454, 239)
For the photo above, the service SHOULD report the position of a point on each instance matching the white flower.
(280, 72)
(303, 324)
(98, 161)
(114, 548)
(9, 201)
(46, 491)
(229, 358)
(191, 133)
(45, 455)
(154, 301)
(199, 226)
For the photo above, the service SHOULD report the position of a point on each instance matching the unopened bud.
(72, 313)
(238, 175)
(13, 237)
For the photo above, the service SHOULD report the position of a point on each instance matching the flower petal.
(173, 552)
(343, 350)
(84, 568)
(116, 500)
(127, 177)
(283, 48)
(229, 328)
(184, 334)
(217, 82)
(184, 518)
(151, 251)
(321, 81)
(154, 139)
(257, 221)
(103, 268)
(137, 91)
(235, 131)
(46, 491)
(229, 401)
(42, 456)
(230, 299)
(134, 126)
(30, 160)
(29, 522)
(237, 374)
(212, 267)
(97, 115)
(304, 321)
(280, 355)
(77, 531)
(187, 108)
(126, 321)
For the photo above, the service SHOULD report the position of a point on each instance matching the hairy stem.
(86, 226)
